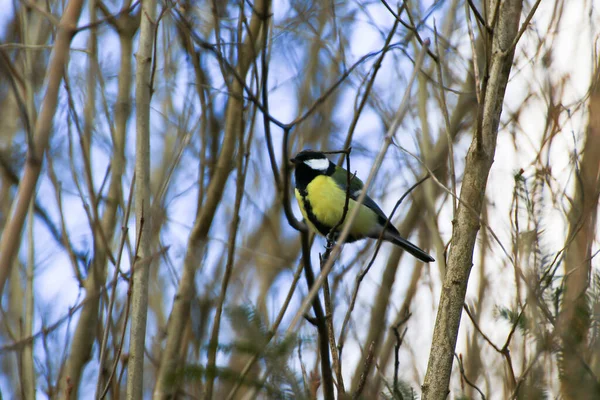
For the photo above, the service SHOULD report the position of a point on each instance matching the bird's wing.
(340, 176)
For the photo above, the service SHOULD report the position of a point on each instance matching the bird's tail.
(398, 240)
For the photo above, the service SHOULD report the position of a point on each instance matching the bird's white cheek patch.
(320, 164)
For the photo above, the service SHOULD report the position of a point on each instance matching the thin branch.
(270, 334)
(155, 45)
(399, 341)
(359, 278)
(444, 107)
(504, 351)
(127, 311)
(265, 114)
(113, 296)
(477, 14)
(464, 376)
(413, 29)
(369, 86)
(475, 58)
(363, 378)
(242, 169)
(524, 26)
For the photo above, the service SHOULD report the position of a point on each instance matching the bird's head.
(309, 164)
(312, 161)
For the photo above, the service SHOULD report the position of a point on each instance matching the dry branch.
(11, 237)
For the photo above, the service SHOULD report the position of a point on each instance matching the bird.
(321, 190)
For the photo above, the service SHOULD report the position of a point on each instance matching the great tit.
(321, 189)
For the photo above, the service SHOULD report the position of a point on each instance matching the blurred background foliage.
(238, 87)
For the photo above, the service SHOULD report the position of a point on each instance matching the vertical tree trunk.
(466, 225)
(143, 219)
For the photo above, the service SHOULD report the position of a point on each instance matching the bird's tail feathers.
(408, 246)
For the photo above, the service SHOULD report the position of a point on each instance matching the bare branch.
(11, 237)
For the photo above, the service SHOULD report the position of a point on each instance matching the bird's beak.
(293, 161)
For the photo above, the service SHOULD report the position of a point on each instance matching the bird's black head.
(310, 164)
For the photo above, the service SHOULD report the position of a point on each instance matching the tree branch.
(478, 164)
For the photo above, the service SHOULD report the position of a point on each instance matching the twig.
(287, 205)
(242, 170)
(337, 365)
(504, 351)
(155, 45)
(474, 51)
(113, 287)
(127, 309)
(525, 373)
(365, 374)
(523, 26)
(399, 341)
(444, 107)
(359, 278)
(332, 232)
(464, 376)
(413, 29)
(73, 256)
(369, 86)
(270, 333)
(477, 15)
(265, 114)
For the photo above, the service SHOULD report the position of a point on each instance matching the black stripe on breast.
(322, 228)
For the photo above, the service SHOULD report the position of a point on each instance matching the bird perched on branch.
(321, 190)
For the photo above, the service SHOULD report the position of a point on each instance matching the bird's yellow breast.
(327, 201)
